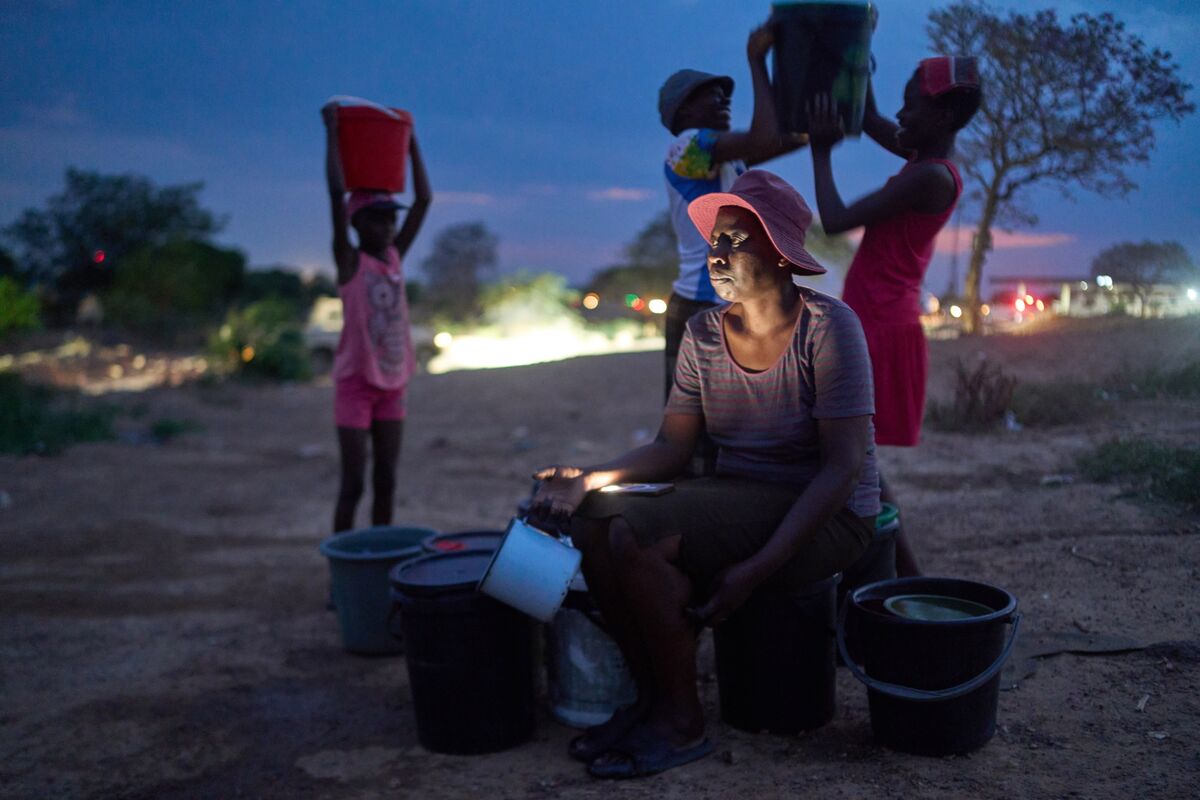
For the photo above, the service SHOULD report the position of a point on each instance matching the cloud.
(1001, 239)
(620, 194)
(62, 113)
(464, 198)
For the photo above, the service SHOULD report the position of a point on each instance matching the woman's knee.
(623, 542)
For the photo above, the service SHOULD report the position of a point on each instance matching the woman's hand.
(824, 125)
(732, 588)
(561, 492)
(761, 40)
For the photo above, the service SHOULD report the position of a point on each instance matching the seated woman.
(781, 380)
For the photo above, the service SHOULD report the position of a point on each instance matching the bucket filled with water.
(821, 48)
(463, 540)
(932, 651)
(372, 144)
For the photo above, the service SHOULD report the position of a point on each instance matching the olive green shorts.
(727, 520)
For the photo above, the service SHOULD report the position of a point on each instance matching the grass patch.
(165, 429)
(1056, 403)
(1153, 471)
(1130, 384)
(36, 419)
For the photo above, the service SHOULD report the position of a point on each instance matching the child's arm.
(423, 196)
(880, 128)
(343, 250)
(926, 188)
(762, 142)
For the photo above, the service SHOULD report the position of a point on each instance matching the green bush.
(1154, 471)
(36, 419)
(18, 308)
(263, 339)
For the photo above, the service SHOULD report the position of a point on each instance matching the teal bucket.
(359, 562)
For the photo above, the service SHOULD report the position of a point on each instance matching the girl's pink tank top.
(883, 283)
(375, 344)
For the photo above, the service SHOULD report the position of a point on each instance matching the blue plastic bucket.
(359, 562)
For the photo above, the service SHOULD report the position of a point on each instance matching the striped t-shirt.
(765, 423)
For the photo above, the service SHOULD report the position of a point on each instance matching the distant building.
(1095, 296)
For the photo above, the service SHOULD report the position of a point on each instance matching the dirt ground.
(163, 632)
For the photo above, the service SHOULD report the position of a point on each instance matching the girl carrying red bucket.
(375, 356)
(901, 221)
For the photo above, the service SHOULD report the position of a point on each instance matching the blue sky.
(537, 118)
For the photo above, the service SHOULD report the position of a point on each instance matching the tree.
(78, 241)
(462, 255)
(654, 247)
(1144, 265)
(174, 288)
(650, 263)
(1065, 104)
(830, 249)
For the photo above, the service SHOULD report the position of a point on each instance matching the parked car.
(324, 328)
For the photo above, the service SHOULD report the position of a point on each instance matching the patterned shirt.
(765, 423)
(690, 173)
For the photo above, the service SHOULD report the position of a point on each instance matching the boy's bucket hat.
(677, 88)
(780, 208)
(367, 198)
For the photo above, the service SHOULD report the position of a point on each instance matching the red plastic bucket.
(373, 145)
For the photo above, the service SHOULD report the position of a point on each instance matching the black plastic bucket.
(462, 540)
(470, 658)
(878, 563)
(775, 660)
(821, 48)
(933, 687)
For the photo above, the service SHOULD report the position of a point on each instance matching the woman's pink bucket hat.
(780, 208)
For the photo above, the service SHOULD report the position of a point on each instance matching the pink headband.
(943, 73)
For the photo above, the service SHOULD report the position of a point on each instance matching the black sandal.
(599, 739)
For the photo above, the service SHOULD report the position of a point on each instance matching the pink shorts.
(356, 403)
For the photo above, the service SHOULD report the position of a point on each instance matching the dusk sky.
(538, 118)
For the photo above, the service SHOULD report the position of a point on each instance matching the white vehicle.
(324, 328)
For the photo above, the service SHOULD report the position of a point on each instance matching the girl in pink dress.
(374, 358)
(901, 221)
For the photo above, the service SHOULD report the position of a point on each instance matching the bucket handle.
(922, 695)
(346, 99)
(398, 636)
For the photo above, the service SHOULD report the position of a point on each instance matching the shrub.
(263, 339)
(1154, 471)
(36, 419)
(981, 397)
(18, 308)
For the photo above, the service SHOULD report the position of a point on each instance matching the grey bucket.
(359, 562)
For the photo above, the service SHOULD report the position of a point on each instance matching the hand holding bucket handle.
(350, 100)
(923, 695)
